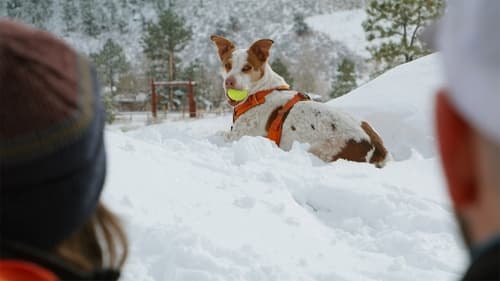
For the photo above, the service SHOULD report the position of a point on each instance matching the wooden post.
(171, 78)
(153, 98)
(192, 102)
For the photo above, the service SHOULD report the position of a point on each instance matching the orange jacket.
(17, 270)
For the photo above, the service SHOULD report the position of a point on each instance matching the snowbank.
(399, 105)
(201, 209)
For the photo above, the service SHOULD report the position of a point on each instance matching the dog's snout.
(230, 82)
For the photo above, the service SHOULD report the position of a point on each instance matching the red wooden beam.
(153, 98)
(192, 102)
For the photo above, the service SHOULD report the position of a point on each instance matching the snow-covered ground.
(343, 26)
(201, 209)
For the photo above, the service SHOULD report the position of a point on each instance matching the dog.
(272, 110)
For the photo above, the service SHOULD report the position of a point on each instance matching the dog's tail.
(380, 154)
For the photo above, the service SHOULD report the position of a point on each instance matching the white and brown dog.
(285, 116)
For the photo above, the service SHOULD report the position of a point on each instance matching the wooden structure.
(190, 95)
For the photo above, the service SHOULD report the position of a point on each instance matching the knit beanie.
(52, 159)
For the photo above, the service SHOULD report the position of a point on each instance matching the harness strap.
(254, 100)
(275, 130)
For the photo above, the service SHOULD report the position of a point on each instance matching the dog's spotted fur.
(331, 133)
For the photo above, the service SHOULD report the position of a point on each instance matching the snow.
(197, 208)
(399, 105)
(343, 26)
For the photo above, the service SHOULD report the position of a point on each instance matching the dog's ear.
(261, 49)
(223, 45)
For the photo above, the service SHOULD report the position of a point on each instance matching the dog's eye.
(246, 68)
(228, 66)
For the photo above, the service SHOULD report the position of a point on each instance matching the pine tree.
(33, 12)
(234, 24)
(279, 67)
(300, 26)
(111, 63)
(396, 24)
(111, 13)
(109, 108)
(41, 12)
(207, 82)
(161, 43)
(70, 13)
(89, 20)
(164, 39)
(14, 9)
(345, 79)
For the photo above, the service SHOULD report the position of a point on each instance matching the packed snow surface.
(198, 208)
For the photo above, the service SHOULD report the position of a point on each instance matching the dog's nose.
(230, 82)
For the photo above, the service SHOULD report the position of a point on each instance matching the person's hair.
(100, 243)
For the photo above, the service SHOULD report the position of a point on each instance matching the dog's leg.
(380, 154)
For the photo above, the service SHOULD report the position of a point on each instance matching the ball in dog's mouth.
(236, 96)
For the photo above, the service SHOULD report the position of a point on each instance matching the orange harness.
(275, 130)
(16, 270)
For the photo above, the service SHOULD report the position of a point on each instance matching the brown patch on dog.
(224, 47)
(257, 67)
(271, 117)
(261, 49)
(354, 151)
(257, 58)
(227, 62)
(380, 153)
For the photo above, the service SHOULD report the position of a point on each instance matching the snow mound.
(198, 208)
(399, 105)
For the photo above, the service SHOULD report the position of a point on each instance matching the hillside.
(242, 21)
(201, 209)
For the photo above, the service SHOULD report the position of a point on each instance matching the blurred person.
(52, 164)
(468, 127)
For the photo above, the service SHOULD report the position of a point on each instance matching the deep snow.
(200, 209)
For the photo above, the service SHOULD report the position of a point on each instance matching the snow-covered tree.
(234, 24)
(33, 12)
(164, 39)
(89, 21)
(41, 12)
(345, 79)
(14, 9)
(109, 108)
(279, 67)
(70, 15)
(111, 63)
(394, 26)
(300, 26)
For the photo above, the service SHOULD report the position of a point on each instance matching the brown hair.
(100, 243)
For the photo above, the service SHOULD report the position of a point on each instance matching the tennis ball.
(237, 95)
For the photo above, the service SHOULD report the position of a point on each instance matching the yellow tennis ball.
(237, 95)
